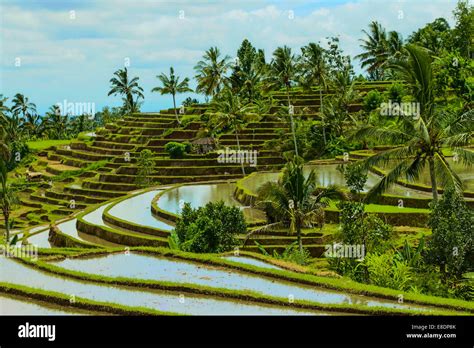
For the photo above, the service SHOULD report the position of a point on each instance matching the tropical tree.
(282, 74)
(56, 124)
(121, 85)
(211, 72)
(229, 112)
(336, 107)
(22, 106)
(26, 110)
(172, 85)
(378, 48)
(421, 138)
(435, 36)
(463, 32)
(375, 50)
(296, 200)
(8, 196)
(314, 71)
(247, 72)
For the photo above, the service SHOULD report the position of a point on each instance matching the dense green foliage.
(451, 245)
(209, 229)
(177, 150)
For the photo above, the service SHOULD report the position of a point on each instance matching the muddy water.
(16, 273)
(140, 266)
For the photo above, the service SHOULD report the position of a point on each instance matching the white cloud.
(64, 58)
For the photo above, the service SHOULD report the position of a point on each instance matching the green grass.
(39, 145)
(377, 208)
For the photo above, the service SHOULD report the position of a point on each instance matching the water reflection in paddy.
(251, 261)
(17, 273)
(327, 174)
(69, 228)
(140, 266)
(200, 195)
(137, 210)
(13, 305)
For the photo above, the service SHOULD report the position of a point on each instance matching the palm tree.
(282, 74)
(421, 138)
(229, 112)
(8, 196)
(211, 72)
(296, 199)
(375, 50)
(171, 85)
(22, 107)
(56, 124)
(336, 107)
(314, 71)
(121, 85)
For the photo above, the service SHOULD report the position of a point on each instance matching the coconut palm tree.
(421, 138)
(211, 72)
(375, 50)
(27, 113)
(296, 200)
(229, 112)
(171, 85)
(55, 123)
(282, 74)
(22, 106)
(8, 196)
(120, 84)
(314, 71)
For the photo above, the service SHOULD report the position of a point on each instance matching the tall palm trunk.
(6, 215)
(434, 186)
(175, 112)
(238, 148)
(322, 115)
(291, 119)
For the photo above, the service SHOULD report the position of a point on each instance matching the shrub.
(145, 164)
(357, 227)
(177, 150)
(209, 229)
(355, 176)
(372, 101)
(452, 224)
(291, 253)
(388, 272)
(395, 93)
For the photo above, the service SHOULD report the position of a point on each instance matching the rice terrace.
(247, 172)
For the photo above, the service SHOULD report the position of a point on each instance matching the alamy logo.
(237, 156)
(37, 331)
(352, 251)
(76, 108)
(400, 109)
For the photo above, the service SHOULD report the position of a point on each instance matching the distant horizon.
(66, 55)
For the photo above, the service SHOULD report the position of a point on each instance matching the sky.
(54, 51)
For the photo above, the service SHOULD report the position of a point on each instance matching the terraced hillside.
(104, 167)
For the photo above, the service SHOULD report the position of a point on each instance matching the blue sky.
(71, 56)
